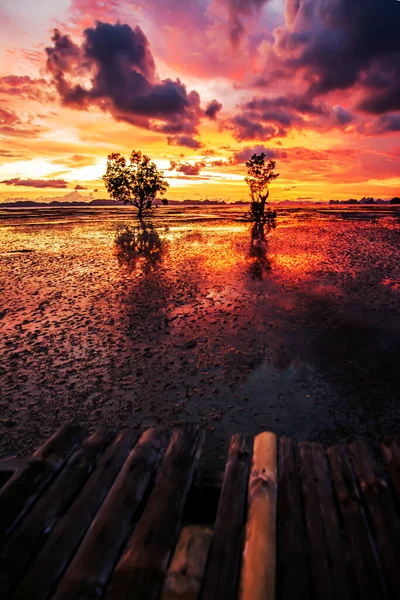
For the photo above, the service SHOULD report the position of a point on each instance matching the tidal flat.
(299, 335)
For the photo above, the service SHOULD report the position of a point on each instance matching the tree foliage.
(259, 175)
(137, 182)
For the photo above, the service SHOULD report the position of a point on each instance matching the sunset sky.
(315, 84)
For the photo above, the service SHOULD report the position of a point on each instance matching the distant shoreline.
(18, 204)
(107, 203)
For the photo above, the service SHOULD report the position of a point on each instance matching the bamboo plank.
(30, 534)
(364, 558)
(259, 556)
(320, 572)
(327, 550)
(335, 544)
(186, 572)
(143, 565)
(227, 544)
(391, 453)
(382, 514)
(92, 565)
(293, 577)
(9, 465)
(24, 487)
(55, 555)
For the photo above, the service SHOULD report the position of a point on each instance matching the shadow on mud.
(259, 261)
(135, 242)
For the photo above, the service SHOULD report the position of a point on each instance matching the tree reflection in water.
(138, 241)
(260, 262)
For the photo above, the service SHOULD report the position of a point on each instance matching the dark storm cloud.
(300, 104)
(383, 89)
(213, 109)
(264, 118)
(36, 183)
(343, 116)
(123, 81)
(387, 123)
(340, 44)
(245, 128)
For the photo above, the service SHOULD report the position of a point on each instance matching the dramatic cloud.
(184, 140)
(36, 183)
(221, 163)
(187, 168)
(264, 118)
(338, 45)
(245, 128)
(247, 152)
(118, 69)
(213, 109)
(343, 116)
(387, 123)
(280, 106)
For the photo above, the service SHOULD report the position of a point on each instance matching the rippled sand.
(300, 337)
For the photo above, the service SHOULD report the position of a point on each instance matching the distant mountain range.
(55, 203)
(74, 199)
(77, 200)
(105, 202)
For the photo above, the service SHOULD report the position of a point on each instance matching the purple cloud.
(36, 183)
(184, 140)
(339, 44)
(343, 116)
(248, 151)
(188, 168)
(388, 123)
(213, 109)
(124, 82)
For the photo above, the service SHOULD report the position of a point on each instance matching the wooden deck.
(132, 517)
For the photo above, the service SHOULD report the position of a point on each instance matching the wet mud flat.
(297, 333)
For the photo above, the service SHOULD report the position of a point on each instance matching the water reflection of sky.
(199, 333)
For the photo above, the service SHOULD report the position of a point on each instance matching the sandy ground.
(302, 340)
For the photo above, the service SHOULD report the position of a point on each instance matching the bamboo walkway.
(132, 517)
